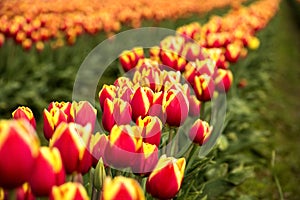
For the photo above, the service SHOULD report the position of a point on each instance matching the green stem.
(170, 144)
(192, 155)
(12, 194)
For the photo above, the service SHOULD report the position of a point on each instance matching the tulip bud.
(48, 171)
(107, 92)
(124, 143)
(141, 102)
(129, 59)
(73, 142)
(84, 113)
(19, 146)
(168, 173)
(24, 113)
(99, 175)
(122, 188)
(176, 107)
(200, 132)
(67, 191)
(98, 145)
(151, 129)
(204, 87)
(116, 112)
(223, 80)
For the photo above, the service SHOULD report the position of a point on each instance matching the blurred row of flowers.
(135, 154)
(33, 25)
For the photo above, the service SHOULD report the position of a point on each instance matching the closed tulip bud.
(168, 172)
(116, 112)
(233, 51)
(19, 147)
(141, 102)
(73, 142)
(84, 113)
(23, 112)
(195, 106)
(107, 92)
(67, 191)
(200, 132)
(48, 171)
(151, 129)
(146, 160)
(100, 175)
(122, 188)
(223, 80)
(98, 145)
(124, 143)
(52, 119)
(129, 59)
(204, 87)
(175, 107)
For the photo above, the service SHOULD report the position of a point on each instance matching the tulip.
(151, 129)
(204, 87)
(156, 108)
(107, 92)
(195, 106)
(24, 113)
(24, 193)
(141, 102)
(52, 119)
(146, 160)
(129, 59)
(122, 81)
(124, 145)
(172, 60)
(19, 147)
(98, 145)
(173, 43)
(67, 191)
(233, 51)
(200, 132)
(116, 112)
(176, 107)
(84, 113)
(122, 188)
(48, 171)
(154, 53)
(168, 173)
(223, 80)
(63, 106)
(73, 142)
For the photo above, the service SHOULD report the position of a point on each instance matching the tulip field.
(119, 100)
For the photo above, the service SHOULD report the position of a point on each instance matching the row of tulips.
(157, 97)
(32, 25)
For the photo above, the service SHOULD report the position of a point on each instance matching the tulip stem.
(192, 155)
(12, 195)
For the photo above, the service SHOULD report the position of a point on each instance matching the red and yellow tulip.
(67, 191)
(200, 132)
(23, 112)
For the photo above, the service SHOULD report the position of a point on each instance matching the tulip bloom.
(48, 171)
(141, 102)
(200, 132)
(223, 80)
(122, 188)
(124, 145)
(67, 191)
(146, 160)
(19, 147)
(116, 112)
(176, 107)
(24, 113)
(129, 59)
(73, 142)
(52, 119)
(204, 87)
(98, 145)
(84, 113)
(63, 106)
(151, 129)
(107, 92)
(168, 173)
